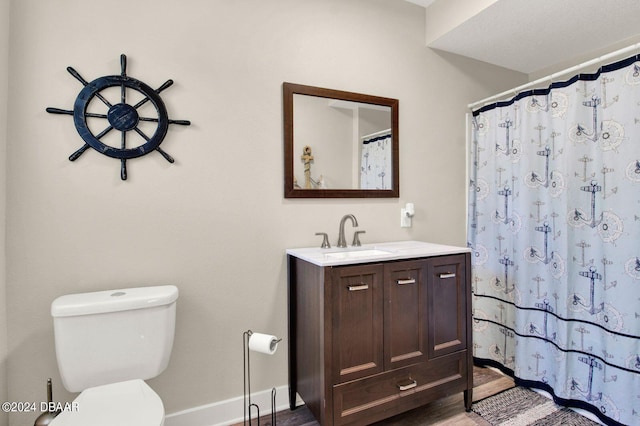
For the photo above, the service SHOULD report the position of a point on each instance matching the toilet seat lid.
(130, 403)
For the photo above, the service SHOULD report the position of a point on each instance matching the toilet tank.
(111, 336)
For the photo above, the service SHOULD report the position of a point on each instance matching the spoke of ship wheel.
(68, 112)
(123, 162)
(166, 84)
(104, 132)
(123, 169)
(163, 153)
(81, 151)
(91, 114)
(123, 98)
(123, 65)
(123, 73)
(84, 82)
(78, 153)
(181, 122)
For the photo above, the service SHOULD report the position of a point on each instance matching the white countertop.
(380, 252)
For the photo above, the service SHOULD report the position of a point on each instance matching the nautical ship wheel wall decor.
(123, 116)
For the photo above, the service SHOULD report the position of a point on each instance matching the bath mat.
(522, 407)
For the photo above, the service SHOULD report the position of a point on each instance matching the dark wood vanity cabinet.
(372, 340)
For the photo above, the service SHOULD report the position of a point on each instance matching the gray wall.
(214, 223)
(4, 74)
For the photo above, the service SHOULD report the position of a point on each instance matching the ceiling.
(529, 36)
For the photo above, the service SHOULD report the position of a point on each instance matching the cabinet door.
(447, 305)
(405, 330)
(357, 322)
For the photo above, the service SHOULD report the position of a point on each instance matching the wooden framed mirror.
(339, 144)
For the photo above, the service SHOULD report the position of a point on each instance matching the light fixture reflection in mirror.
(339, 144)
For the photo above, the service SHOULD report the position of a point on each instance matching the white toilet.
(107, 344)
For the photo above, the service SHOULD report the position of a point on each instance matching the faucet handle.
(325, 240)
(356, 239)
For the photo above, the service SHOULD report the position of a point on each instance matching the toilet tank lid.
(99, 302)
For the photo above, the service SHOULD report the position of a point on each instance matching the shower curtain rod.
(378, 133)
(553, 76)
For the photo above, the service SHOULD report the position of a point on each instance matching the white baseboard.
(230, 411)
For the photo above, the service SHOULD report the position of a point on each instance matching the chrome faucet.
(342, 241)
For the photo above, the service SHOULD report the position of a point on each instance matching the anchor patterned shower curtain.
(554, 225)
(375, 162)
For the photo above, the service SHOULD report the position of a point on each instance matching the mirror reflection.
(342, 144)
(339, 144)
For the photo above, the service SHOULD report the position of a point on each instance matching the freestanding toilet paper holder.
(246, 349)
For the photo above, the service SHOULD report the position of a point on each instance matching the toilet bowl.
(130, 403)
(107, 344)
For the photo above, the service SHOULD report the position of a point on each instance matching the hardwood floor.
(447, 411)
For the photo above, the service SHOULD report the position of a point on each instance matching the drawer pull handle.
(406, 281)
(358, 287)
(407, 384)
(447, 275)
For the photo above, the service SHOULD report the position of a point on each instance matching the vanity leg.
(293, 376)
(292, 398)
(468, 399)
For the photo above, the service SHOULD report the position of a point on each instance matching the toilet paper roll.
(265, 343)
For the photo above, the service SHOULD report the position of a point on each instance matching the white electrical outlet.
(405, 219)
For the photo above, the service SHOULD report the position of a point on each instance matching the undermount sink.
(357, 254)
(379, 252)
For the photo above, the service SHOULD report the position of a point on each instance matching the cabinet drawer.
(383, 395)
